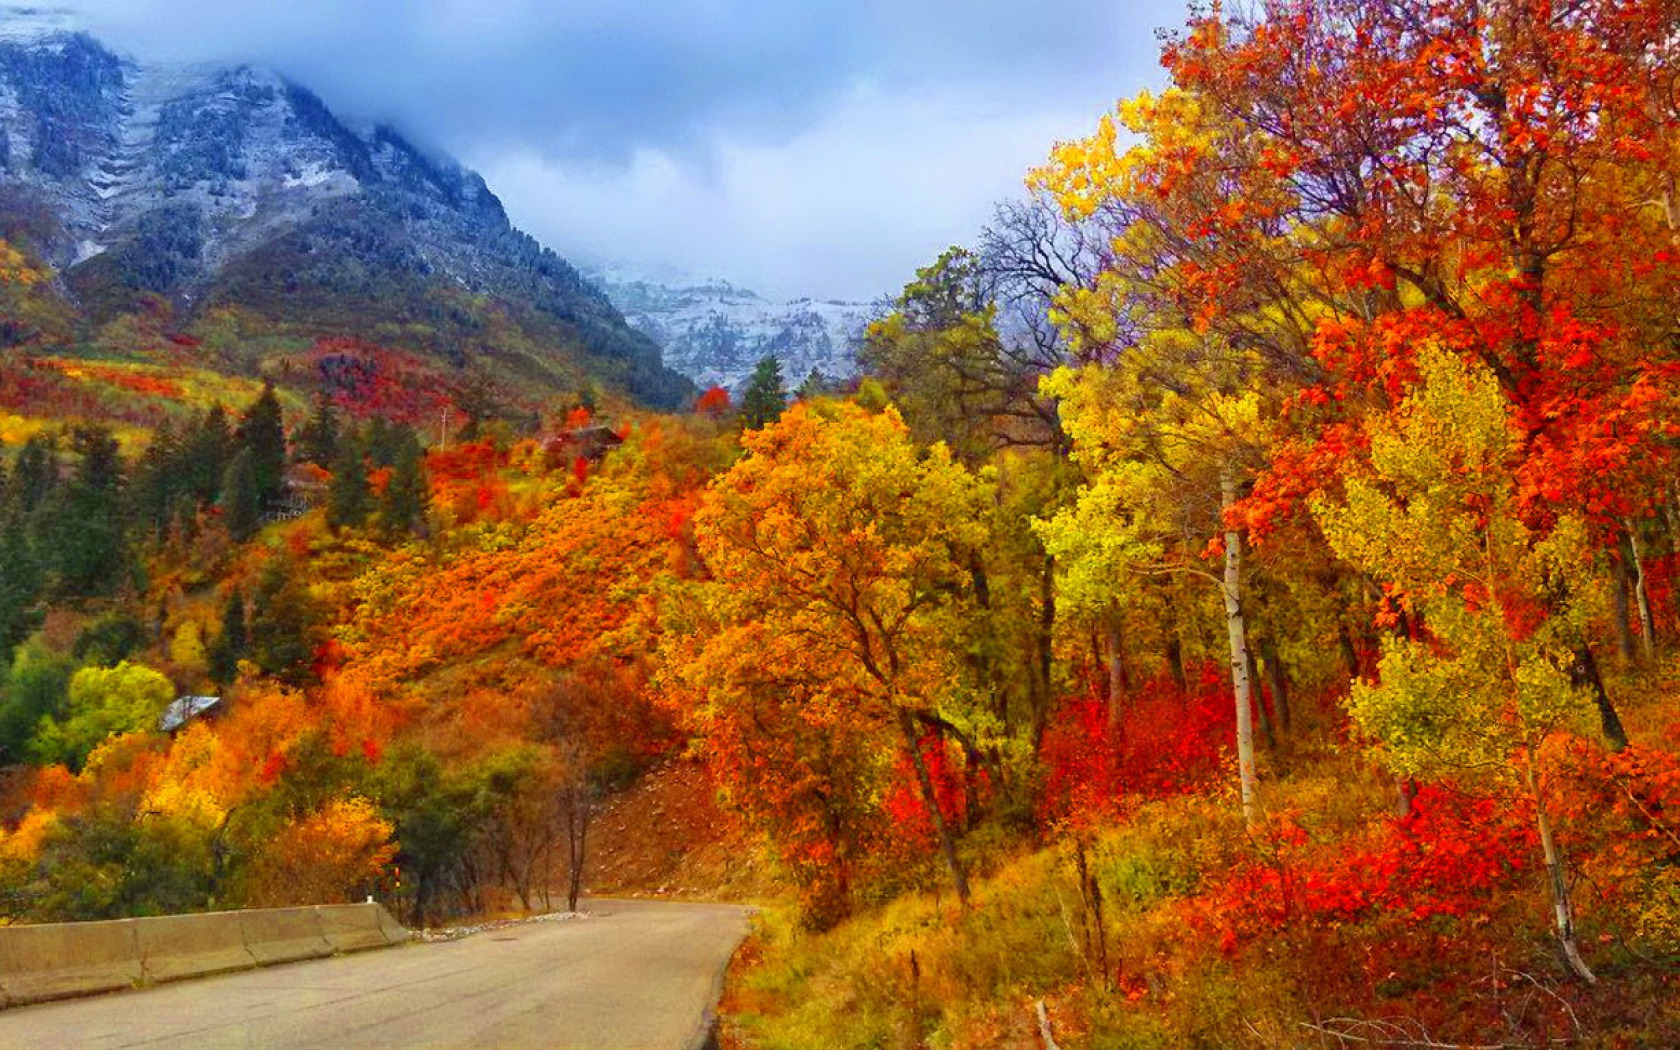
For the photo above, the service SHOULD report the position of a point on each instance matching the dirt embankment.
(667, 837)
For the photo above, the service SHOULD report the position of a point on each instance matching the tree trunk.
(1557, 879)
(1238, 635)
(1642, 596)
(1583, 674)
(1350, 652)
(578, 814)
(1277, 681)
(1260, 712)
(930, 798)
(1621, 609)
(1119, 685)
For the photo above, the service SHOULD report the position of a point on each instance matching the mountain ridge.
(235, 186)
(716, 331)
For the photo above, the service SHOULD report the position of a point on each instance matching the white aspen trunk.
(1563, 912)
(1238, 635)
(1642, 597)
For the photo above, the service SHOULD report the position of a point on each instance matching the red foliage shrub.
(1453, 856)
(1167, 743)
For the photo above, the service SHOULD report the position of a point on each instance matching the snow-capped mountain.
(217, 185)
(714, 331)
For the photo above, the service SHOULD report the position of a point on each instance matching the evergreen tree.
(347, 495)
(205, 455)
(79, 527)
(242, 505)
(285, 622)
(402, 506)
(815, 385)
(263, 435)
(765, 398)
(159, 481)
(319, 440)
(382, 442)
(232, 644)
(21, 581)
(35, 474)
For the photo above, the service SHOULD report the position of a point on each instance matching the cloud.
(821, 139)
(847, 208)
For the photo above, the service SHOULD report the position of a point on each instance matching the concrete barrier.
(356, 927)
(66, 959)
(173, 947)
(59, 960)
(281, 935)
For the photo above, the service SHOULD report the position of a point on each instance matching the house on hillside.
(186, 709)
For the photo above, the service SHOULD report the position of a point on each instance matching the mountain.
(715, 332)
(236, 187)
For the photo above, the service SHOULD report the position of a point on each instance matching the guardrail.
(60, 960)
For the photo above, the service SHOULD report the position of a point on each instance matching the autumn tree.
(836, 551)
(1437, 521)
(127, 698)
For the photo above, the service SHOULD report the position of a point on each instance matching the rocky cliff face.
(233, 185)
(715, 332)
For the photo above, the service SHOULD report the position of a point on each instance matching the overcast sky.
(800, 146)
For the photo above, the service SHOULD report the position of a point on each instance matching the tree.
(262, 433)
(21, 584)
(319, 439)
(103, 702)
(347, 493)
(836, 552)
(942, 361)
(79, 527)
(205, 454)
(713, 403)
(402, 505)
(765, 398)
(231, 644)
(242, 501)
(1437, 522)
(285, 623)
(37, 684)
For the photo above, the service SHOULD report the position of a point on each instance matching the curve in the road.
(632, 974)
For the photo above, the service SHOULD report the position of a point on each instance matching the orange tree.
(837, 557)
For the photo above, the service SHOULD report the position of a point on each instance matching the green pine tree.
(232, 644)
(21, 582)
(765, 398)
(263, 434)
(347, 495)
(79, 526)
(285, 624)
(319, 440)
(205, 455)
(35, 474)
(242, 506)
(402, 506)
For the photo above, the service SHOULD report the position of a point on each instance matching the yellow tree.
(1196, 325)
(1436, 520)
(838, 556)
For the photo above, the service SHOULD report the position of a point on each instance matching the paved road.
(633, 974)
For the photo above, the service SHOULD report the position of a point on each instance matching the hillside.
(237, 189)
